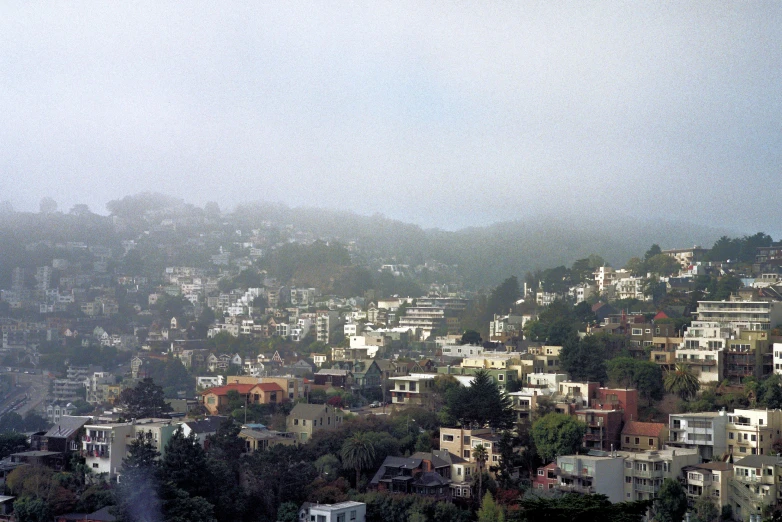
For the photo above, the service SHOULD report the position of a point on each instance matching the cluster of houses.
(729, 458)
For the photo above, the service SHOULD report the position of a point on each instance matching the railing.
(586, 490)
(652, 473)
(646, 488)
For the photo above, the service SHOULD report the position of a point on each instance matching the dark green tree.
(481, 403)
(184, 465)
(584, 359)
(557, 434)
(584, 508)
(671, 502)
(32, 509)
(146, 399)
(12, 442)
(137, 492)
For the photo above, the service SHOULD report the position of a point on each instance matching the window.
(341, 517)
(467, 440)
(627, 440)
(651, 442)
(637, 331)
(466, 454)
(295, 422)
(541, 473)
(730, 435)
(303, 422)
(629, 480)
(401, 387)
(637, 440)
(500, 377)
(353, 515)
(447, 438)
(95, 465)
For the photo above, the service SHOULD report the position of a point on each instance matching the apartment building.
(709, 479)
(461, 443)
(644, 472)
(591, 474)
(754, 485)
(753, 432)
(104, 446)
(412, 389)
(702, 350)
(706, 432)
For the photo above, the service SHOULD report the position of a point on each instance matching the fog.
(443, 114)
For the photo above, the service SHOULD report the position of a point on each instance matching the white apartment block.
(706, 432)
(702, 349)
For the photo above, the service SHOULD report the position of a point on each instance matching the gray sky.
(444, 114)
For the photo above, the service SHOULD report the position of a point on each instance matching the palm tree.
(480, 454)
(358, 453)
(682, 382)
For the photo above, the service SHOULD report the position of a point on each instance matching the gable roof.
(67, 426)
(308, 411)
(243, 389)
(268, 387)
(206, 425)
(644, 429)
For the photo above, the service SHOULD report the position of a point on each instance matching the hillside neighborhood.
(240, 369)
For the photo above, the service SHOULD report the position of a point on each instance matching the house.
(261, 393)
(412, 389)
(546, 477)
(202, 428)
(102, 515)
(259, 438)
(642, 436)
(754, 485)
(334, 378)
(422, 474)
(461, 443)
(64, 437)
(319, 359)
(306, 419)
(342, 512)
(711, 479)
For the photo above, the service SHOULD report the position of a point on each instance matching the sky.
(445, 114)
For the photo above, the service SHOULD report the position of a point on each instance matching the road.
(30, 393)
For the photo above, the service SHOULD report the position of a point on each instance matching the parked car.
(375, 404)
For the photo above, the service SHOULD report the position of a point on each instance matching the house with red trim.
(262, 393)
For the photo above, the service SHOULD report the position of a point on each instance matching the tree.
(705, 510)
(31, 509)
(584, 359)
(146, 399)
(288, 512)
(471, 337)
(480, 455)
(645, 376)
(557, 434)
(481, 404)
(185, 464)
(137, 492)
(12, 442)
(490, 511)
(671, 502)
(682, 382)
(507, 462)
(48, 206)
(654, 250)
(583, 508)
(358, 453)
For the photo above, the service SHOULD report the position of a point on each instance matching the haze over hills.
(484, 255)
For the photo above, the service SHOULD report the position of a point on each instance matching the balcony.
(646, 488)
(572, 488)
(653, 473)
